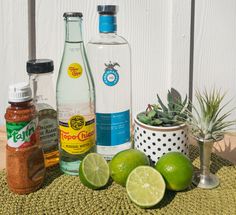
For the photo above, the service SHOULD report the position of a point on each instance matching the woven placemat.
(62, 194)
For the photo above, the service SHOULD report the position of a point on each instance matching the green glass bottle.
(75, 99)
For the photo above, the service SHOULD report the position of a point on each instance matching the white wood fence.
(185, 44)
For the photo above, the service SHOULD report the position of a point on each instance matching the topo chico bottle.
(109, 57)
(75, 99)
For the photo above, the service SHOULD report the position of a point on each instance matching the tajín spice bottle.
(24, 155)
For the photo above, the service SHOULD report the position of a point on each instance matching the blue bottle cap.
(107, 9)
(107, 19)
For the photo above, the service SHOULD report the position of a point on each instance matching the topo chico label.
(21, 134)
(75, 70)
(77, 136)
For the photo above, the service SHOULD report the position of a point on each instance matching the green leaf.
(151, 113)
(176, 95)
(156, 122)
(170, 100)
(209, 120)
(164, 108)
(142, 117)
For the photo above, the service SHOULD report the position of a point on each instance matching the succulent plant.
(209, 122)
(161, 115)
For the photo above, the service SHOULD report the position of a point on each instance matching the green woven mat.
(62, 194)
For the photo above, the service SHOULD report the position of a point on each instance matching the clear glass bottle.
(40, 73)
(109, 57)
(75, 99)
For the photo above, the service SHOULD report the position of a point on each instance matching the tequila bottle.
(75, 99)
(109, 57)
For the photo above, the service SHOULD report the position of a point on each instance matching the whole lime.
(124, 162)
(176, 169)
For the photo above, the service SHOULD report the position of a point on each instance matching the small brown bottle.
(24, 156)
(40, 73)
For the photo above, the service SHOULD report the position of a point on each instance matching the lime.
(124, 162)
(176, 169)
(145, 186)
(94, 171)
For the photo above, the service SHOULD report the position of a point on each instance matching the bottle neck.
(73, 29)
(24, 104)
(107, 24)
(108, 34)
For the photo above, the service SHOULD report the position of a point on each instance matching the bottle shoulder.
(108, 39)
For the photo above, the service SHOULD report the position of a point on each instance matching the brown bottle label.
(48, 130)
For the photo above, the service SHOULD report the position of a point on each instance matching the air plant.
(168, 115)
(210, 121)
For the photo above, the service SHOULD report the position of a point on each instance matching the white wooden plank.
(180, 45)
(13, 47)
(215, 47)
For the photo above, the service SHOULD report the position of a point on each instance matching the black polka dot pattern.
(155, 144)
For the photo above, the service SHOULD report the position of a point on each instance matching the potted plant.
(207, 125)
(161, 129)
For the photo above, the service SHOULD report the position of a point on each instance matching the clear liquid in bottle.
(109, 57)
(75, 99)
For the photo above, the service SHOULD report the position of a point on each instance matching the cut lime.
(94, 171)
(145, 186)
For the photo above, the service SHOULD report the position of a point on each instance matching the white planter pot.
(158, 141)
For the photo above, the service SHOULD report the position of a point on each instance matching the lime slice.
(94, 171)
(145, 186)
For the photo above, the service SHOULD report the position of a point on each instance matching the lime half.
(94, 171)
(145, 186)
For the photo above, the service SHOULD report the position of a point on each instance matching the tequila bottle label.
(113, 128)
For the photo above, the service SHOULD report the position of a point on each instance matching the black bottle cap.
(107, 9)
(39, 66)
(72, 14)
